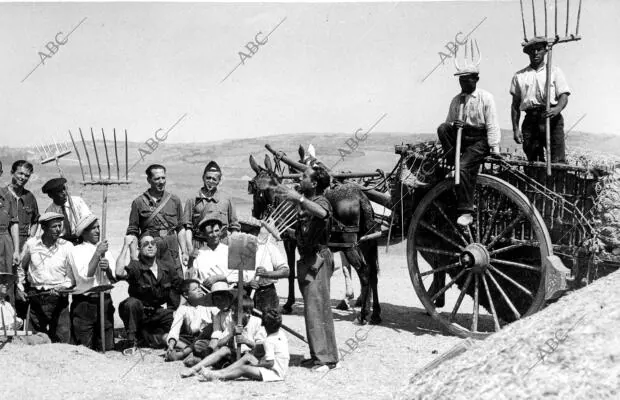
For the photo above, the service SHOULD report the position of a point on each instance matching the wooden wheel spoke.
(476, 311)
(514, 264)
(512, 247)
(441, 269)
(489, 227)
(509, 279)
(443, 289)
(461, 296)
(441, 235)
(454, 227)
(437, 251)
(506, 299)
(491, 305)
(509, 228)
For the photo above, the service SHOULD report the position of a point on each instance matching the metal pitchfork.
(104, 182)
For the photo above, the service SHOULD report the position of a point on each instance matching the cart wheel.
(497, 261)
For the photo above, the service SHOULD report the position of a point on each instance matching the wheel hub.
(475, 256)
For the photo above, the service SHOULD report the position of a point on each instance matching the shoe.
(308, 362)
(326, 367)
(465, 220)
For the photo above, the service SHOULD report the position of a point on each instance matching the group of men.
(480, 127)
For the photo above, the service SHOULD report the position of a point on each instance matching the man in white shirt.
(90, 263)
(528, 95)
(57, 191)
(481, 135)
(46, 259)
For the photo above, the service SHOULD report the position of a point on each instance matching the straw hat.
(534, 42)
(84, 223)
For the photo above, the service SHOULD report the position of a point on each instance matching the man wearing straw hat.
(86, 260)
(480, 134)
(56, 189)
(9, 237)
(208, 200)
(46, 259)
(528, 95)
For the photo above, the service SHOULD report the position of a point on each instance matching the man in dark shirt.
(316, 265)
(159, 214)
(152, 283)
(23, 200)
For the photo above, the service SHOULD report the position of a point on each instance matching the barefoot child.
(190, 320)
(274, 364)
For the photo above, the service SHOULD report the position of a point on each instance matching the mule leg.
(356, 259)
(289, 248)
(346, 271)
(371, 255)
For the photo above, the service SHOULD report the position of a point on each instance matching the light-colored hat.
(221, 287)
(7, 279)
(50, 216)
(84, 223)
(534, 42)
(468, 70)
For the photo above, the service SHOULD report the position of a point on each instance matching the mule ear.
(311, 151)
(254, 164)
(268, 164)
(302, 153)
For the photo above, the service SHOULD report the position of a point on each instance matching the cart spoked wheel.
(497, 261)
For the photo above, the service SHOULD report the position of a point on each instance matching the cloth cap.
(50, 216)
(221, 287)
(534, 42)
(468, 70)
(212, 167)
(84, 223)
(7, 279)
(211, 217)
(54, 185)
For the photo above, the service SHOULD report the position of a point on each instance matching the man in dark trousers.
(528, 95)
(316, 265)
(153, 282)
(24, 201)
(159, 214)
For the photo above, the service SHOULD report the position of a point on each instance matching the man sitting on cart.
(480, 134)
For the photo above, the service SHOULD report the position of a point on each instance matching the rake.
(551, 41)
(101, 180)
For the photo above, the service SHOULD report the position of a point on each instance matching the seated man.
(152, 283)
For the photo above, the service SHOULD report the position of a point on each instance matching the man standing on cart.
(528, 94)
(480, 135)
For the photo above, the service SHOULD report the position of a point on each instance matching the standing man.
(159, 214)
(46, 259)
(528, 94)
(316, 265)
(208, 201)
(153, 282)
(92, 266)
(56, 189)
(480, 135)
(24, 201)
(9, 239)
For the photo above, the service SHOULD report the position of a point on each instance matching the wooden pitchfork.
(104, 182)
(551, 41)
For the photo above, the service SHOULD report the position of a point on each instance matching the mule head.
(262, 188)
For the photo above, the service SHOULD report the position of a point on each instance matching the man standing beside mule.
(159, 214)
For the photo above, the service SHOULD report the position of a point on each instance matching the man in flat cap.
(480, 135)
(211, 263)
(159, 214)
(208, 200)
(49, 276)
(528, 95)
(92, 267)
(72, 210)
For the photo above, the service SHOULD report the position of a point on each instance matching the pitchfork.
(104, 182)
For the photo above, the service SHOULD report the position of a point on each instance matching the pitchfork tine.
(567, 14)
(77, 153)
(107, 158)
(545, 4)
(126, 158)
(534, 15)
(118, 171)
(90, 168)
(92, 135)
(523, 20)
(578, 18)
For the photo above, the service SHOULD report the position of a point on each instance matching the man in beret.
(208, 200)
(49, 276)
(92, 268)
(72, 210)
(480, 136)
(528, 95)
(159, 213)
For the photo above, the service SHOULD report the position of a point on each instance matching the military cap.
(212, 167)
(213, 216)
(533, 43)
(50, 216)
(54, 185)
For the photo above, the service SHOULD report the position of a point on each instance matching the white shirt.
(81, 209)
(9, 319)
(268, 256)
(47, 267)
(529, 86)
(215, 262)
(79, 258)
(479, 112)
(192, 319)
(276, 350)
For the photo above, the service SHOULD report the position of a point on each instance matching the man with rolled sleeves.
(72, 210)
(159, 214)
(208, 200)
(528, 95)
(49, 275)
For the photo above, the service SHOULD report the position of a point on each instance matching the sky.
(328, 67)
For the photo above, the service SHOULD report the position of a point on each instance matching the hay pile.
(582, 328)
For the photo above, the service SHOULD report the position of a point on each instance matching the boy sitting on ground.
(223, 350)
(273, 365)
(191, 321)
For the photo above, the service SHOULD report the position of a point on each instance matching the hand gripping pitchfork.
(104, 182)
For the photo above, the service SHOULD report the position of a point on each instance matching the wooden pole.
(547, 108)
(239, 308)
(459, 133)
(104, 215)
(3, 325)
(26, 323)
